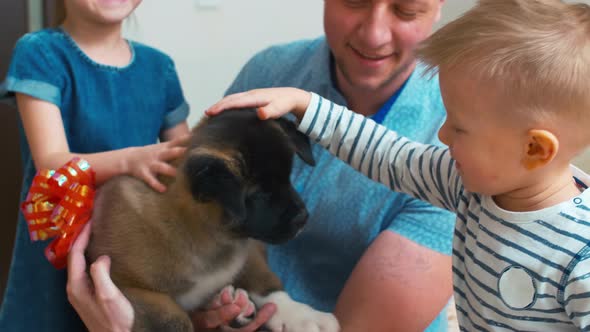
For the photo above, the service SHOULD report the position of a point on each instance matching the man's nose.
(375, 29)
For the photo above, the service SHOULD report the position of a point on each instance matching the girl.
(83, 90)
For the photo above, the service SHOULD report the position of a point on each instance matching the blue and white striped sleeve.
(576, 297)
(423, 171)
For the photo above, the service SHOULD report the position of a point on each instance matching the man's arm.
(397, 285)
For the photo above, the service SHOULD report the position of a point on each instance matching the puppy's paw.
(229, 295)
(292, 316)
(248, 313)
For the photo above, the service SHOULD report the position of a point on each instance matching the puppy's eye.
(260, 196)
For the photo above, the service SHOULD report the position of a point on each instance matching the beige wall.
(583, 161)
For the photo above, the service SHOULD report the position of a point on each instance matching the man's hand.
(226, 307)
(100, 304)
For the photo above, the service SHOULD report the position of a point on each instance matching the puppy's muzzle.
(299, 220)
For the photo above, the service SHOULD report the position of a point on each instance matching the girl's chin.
(110, 3)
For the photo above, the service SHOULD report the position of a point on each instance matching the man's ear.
(210, 179)
(540, 149)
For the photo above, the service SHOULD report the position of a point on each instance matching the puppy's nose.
(299, 220)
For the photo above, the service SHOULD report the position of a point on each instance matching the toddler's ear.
(541, 147)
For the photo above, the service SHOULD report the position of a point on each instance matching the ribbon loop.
(59, 204)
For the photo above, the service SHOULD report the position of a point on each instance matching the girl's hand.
(147, 162)
(226, 307)
(100, 304)
(271, 103)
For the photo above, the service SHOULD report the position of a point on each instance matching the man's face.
(373, 40)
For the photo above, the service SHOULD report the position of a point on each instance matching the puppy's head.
(244, 164)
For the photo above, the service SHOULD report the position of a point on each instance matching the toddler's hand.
(147, 162)
(271, 103)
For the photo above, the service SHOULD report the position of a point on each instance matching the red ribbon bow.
(59, 204)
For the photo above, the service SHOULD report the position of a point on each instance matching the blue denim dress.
(103, 108)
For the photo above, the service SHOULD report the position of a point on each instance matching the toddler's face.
(487, 146)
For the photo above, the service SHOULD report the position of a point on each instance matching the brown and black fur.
(232, 186)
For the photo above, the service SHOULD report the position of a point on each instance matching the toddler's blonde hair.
(536, 51)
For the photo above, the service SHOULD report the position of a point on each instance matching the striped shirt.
(512, 271)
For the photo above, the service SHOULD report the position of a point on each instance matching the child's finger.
(268, 112)
(253, 98)
(223, 104)
(165, 169)
(172, 153)
(151, 180)
(180, 141)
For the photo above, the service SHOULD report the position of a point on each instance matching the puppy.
(171, 252)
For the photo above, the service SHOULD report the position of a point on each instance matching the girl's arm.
(179, 131)
(49, 147)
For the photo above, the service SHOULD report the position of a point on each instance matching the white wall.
(209, 45)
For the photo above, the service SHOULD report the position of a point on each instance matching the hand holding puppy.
(226, 307)
(272, 103)
(102, 307)
(105, 308)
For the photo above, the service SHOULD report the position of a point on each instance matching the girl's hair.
(59, 13)
(536, 51)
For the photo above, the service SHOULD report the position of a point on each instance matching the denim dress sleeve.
(177, 108)
(35, 71)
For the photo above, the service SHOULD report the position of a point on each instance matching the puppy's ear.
(300, 140)
(211, 179)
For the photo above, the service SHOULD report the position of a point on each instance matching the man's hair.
(536, 51)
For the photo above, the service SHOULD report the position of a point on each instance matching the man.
(378, 260)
